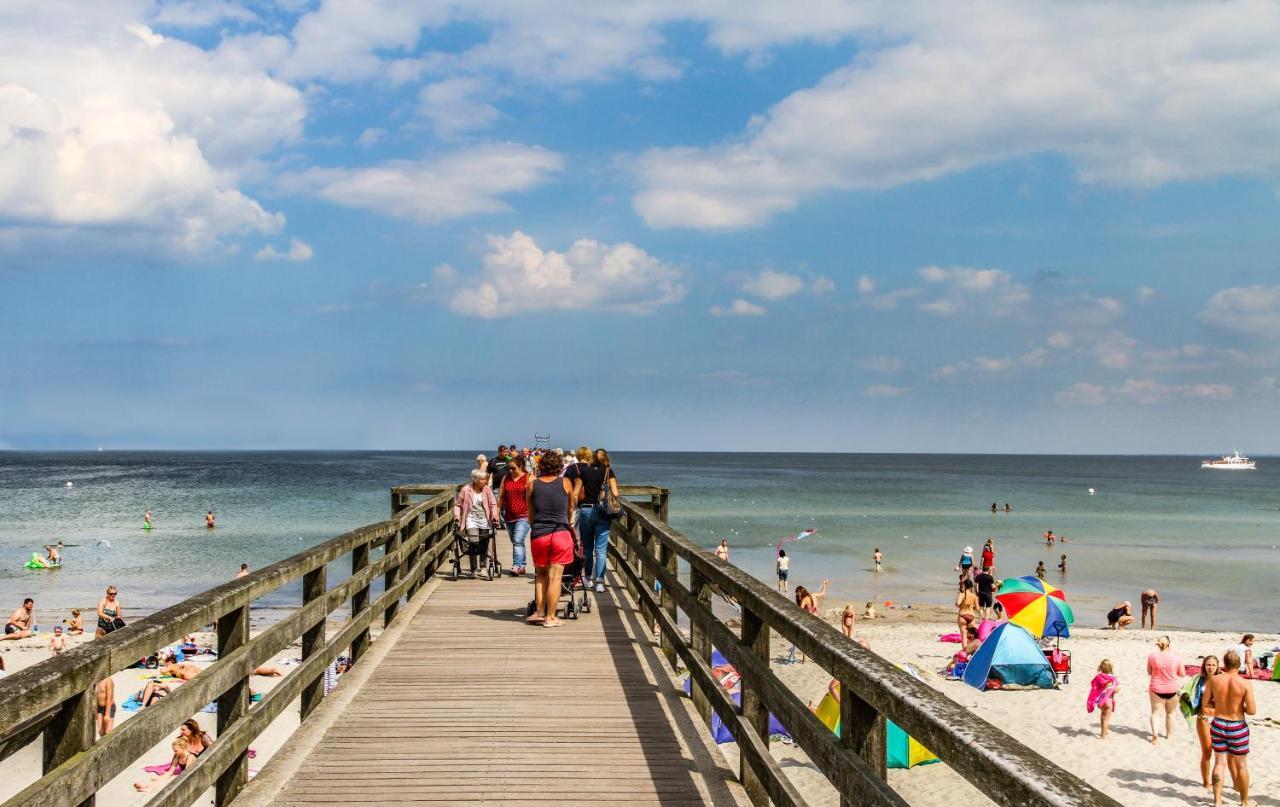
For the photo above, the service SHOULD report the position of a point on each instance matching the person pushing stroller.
(475, 517)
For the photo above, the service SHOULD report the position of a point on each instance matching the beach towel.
(161, 770)
(950, 637)
(1101, 690)
(133, 704)
(1256, 674)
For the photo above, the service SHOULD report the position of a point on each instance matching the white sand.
(1054, 722)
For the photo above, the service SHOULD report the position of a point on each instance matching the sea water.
(1205, 539)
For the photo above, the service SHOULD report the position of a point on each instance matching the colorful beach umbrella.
(1037, 606)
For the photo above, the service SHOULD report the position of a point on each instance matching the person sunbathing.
(172, 768)
(269, 670)
(181, 670)
(152, 692)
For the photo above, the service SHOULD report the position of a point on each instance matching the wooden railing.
(55, 698)
(647, 550)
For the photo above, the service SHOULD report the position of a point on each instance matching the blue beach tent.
(1011, 655)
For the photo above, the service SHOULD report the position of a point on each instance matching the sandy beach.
(23, 768)
(1054, 722)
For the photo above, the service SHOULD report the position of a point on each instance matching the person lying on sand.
(184, 671)
(152, 692)
(269, 670)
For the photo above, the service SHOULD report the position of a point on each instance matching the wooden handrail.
(55, 697)
(646, 550)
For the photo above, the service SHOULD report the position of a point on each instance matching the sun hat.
(968, 549)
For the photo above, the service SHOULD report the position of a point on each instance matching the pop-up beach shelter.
(901, 749)
(1011, 656)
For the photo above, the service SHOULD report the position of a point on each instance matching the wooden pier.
(460, 701)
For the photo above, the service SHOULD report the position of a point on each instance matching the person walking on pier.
(513, 502)
(550, 513)
(594, 524)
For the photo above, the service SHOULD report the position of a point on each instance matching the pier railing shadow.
(55, 699)
(648, 552)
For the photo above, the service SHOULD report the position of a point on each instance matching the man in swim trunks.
(53, 555)
(1229, 698)
(105, 696)
(985, 582)
(19, 624)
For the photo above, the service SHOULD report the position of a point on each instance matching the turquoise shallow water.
(1207, 540)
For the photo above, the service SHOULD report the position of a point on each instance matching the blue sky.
(698, 225)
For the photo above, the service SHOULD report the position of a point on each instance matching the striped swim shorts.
(1229, 736)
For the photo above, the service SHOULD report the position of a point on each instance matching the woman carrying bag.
(596, 491)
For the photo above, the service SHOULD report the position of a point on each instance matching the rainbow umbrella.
(1037, 606)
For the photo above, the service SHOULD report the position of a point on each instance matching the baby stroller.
(570, 585)
(478, 547)
(1059, 659)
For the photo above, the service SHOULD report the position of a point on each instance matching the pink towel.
(950, 637)
(161, 770)
(1101, 690)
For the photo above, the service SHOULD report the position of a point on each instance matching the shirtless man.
(722, 551)
(53, 555)
(19, 624)
(184, 671)
(1228, 697)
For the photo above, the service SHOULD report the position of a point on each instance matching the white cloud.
(884, 391)
(881, 364)
(453, 106)
(982, 364)
(201, 14)
(519, 277)
(299, 251)
(1142, 392)
(1135, 95)
(962, 289)
(738, 308)
(1060, 340)
(454, 185)
(371, 137)
(1249, 310)
(1146, 294)
(771, 285)
(107, 125)
(1114, 350)
(821, 285)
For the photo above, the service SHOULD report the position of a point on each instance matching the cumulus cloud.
(1248, 310)
(517, 277)
(884, 391)
(455, 106)
(110, 126)
(738, 308)
(1114, 350)
(961, 289)
(1143, 392)
(771, 285)
(299, 251)
(371, 137)
(201, 13)
(1132, 95)
(457, 184)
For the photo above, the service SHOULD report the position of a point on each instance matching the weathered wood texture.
(874, 690)
(472, 705)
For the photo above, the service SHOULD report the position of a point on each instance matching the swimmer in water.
(1040, 570)
(1062, 565)
(244, 571)
(208, 520)
(146, 520)
(54, 556)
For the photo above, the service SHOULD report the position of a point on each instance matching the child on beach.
(870, 611)
(1041, 570)
(1102, 695)
(57, 643)
(75, 625)
(846, 620)
(879, 559)
(784, 569)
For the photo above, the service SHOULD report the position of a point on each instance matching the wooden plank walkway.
(473, 706)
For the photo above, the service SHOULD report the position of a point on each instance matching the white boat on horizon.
(1231, 462)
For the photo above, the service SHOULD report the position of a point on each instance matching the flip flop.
(535, 620)
(555, 624)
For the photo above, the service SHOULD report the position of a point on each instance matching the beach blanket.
(1256, 674)
(161, 678)
(161, 770)
(950, 637)
(132, 705)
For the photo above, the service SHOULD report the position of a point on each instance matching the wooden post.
(392, 575)
(862, 731)
(633, 559)
(412, 561)
(359, 601)
(668, 561)
(699, 642)
(313, 588)
(233, 633)
(647, 560)
(755, 637)
(399, 501)
(662, 505)
(70, 732)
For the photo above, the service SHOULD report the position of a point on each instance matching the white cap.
(968, 549)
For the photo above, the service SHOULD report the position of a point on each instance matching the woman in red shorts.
(550, 511)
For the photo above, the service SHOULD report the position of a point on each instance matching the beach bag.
(608, 504)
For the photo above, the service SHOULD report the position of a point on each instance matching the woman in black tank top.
(550, 507)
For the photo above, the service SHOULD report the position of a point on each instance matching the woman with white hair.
(475, 512)
(482, 464)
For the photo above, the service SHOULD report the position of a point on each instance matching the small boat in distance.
(1232, 462)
